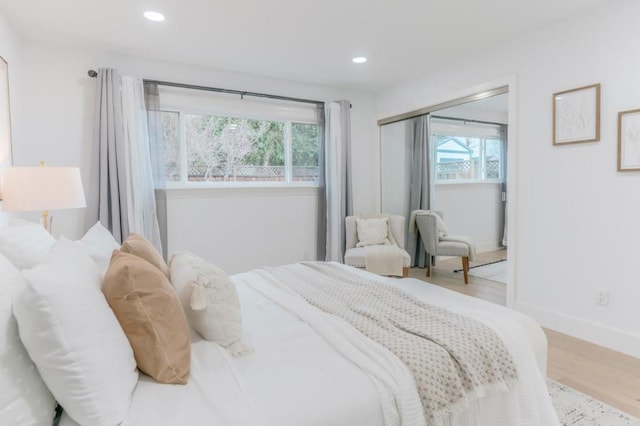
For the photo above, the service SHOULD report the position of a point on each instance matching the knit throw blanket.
(454, 359)
(384, 260)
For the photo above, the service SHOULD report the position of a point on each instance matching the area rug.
(494, 271)
(575, 408)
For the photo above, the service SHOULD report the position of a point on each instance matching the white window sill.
(255, 184)
(466, 184)
(243, 190)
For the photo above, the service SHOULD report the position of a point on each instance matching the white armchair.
(355, 256)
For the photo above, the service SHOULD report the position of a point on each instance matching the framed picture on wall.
(576, 115)
(5, 120)
(629, 140)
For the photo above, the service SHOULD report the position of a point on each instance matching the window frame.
(288, 182)
(482, 160)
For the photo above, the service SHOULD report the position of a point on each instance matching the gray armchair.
(437, 245)
(354, 256)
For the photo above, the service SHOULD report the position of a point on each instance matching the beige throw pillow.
(210, 301)
(136, 244)
(151, 316)
(372, 231)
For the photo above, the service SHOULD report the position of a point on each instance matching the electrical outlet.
(602, 296)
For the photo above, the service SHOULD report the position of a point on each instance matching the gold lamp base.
(42, 189)
(45, 220)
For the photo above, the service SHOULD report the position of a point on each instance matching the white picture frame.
(576, 115)
(629, 140)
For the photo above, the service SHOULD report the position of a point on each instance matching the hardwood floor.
(609, 376)
(442, 274)
(604, 374)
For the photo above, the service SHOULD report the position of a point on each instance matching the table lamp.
(42, 188)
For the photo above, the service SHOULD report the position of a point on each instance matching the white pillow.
(24, 398)
(25, 243)
(99, 244)
(74, 338)
(209, 299)
(372, 231)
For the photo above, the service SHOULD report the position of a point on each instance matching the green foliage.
(217, 146)
(268, 143)
(305, 144)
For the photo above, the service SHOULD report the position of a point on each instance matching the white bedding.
(296, 377)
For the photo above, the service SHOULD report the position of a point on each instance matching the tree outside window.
(210, 148)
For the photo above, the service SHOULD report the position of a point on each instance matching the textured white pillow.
(209, 299)
(99, 244)
(24, 398)
(74, 338)
(25, 243)
(372, 231)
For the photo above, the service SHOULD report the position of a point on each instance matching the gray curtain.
(503, 210)
(338, 193)
(152, 103)
(107, 192)
(420, 188)
(154, 122)
(321, 241)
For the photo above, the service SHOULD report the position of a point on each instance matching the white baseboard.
(611, 338)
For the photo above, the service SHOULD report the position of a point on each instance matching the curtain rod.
(466, 120)
(242, 93)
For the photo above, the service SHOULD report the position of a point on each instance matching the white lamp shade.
(42, 188)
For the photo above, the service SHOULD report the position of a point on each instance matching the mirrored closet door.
(463, 167)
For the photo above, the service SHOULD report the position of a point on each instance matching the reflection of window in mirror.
(466, 151)
(468, 147)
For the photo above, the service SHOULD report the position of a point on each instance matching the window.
(216, 138)
(171, 144)
(467, 152)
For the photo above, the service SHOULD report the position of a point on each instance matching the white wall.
(576, 224)
(396, 153)
(59, 103)
(470, 112)
(10, 52)
(472, 209)
(244, 228)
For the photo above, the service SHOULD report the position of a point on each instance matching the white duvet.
(298, 377)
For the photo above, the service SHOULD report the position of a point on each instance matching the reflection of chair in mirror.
(437, 243)
(357, 255)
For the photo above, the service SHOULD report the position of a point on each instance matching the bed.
(308, 367)
(295, 377)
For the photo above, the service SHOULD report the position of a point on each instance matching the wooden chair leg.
(465, 268)
(429, 268)
(405, 271)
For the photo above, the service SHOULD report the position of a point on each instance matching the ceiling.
(292, 39)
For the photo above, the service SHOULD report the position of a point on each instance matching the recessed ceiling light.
(154, 16)
(359, 60)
